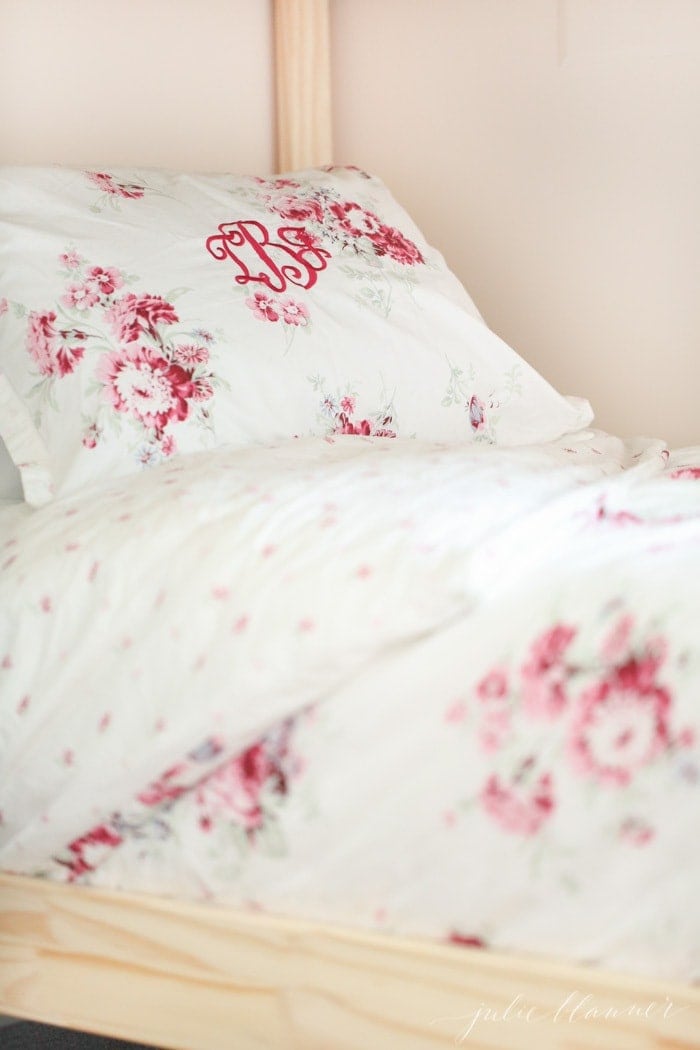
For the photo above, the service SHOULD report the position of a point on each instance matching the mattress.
(446, 691)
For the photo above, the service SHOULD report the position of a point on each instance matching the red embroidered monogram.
(291, 259)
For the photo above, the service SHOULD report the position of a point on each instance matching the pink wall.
(550, 149)
(170, 83)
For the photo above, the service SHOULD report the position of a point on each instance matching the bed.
(371, 726)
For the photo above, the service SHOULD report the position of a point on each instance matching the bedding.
(434, 689)
(146, 313)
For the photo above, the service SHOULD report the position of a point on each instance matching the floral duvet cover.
(439, 691)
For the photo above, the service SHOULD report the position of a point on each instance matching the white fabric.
(466, 679)
(146, 313)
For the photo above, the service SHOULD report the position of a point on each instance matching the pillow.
(10, 481)
(145, 313)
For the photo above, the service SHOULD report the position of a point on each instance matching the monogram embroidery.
(291, 259)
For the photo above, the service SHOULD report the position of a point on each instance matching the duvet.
(441, 691)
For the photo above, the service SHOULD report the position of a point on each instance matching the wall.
(552, 150)
(170, 83)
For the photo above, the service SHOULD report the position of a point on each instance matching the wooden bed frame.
(190, 976)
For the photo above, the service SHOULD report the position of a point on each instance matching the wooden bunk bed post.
(302, 83)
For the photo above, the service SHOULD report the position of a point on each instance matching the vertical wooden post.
(303, 84)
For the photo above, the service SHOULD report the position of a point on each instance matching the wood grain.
(189, 976)
(303, 84)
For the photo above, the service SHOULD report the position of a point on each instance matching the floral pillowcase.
(151, 313)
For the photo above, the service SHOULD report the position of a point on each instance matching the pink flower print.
(686, 737)
(147, 387)
(264, 307)
(391, 242)
(133, 315)
(307, 239)
(347, 404)
(616, 642)
(190, 354)
(636, 832)
(147, 455)
(456, 712)
(41, 335)
(465, 940)
(477, 413)
(621, 724)
(4, 307)
(234, 791)
(294, 313)
(80, 297)
(493, 710)
(686, 472)
(91, 436)
(89, 848)
(354, 221)
(104, 282)
(519, 807)
(108, 184)
(203, 336)
(344, 425)
(70, 260)
(493, 686)
(165, 788)
(54, 350)
(544, 675)
(202, 389)
(168, 446)
(299, 209)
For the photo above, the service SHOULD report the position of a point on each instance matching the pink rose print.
(544, 674)
(477, 413)
(133, 315)
(363, 427)
(108, 184)
(299, 209)
(391, 242)
(3, 306)
(168, 446)
(147, 386)
(354, 220)
(70, 260)
(465, 940)
(234, 791)
(347, 405)
(293, 313)
(686, 472)
(56, 351)
(88, 849)
(616, 642)
(166, 788)
(104, 282)
(151, 384)
(263, 306)
(636, 832)
(91, 436)
(80, 297)
(521, 807)
(494, 711)
(621, 722)
(345, 425)
(202, 389)
(190, 354)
